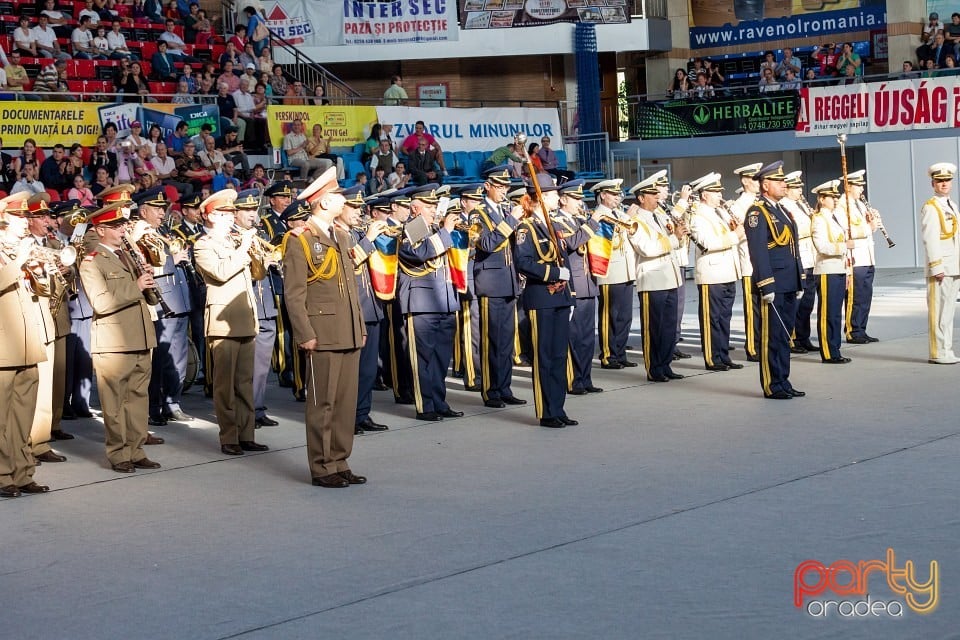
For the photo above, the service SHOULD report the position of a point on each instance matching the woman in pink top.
(80, 191)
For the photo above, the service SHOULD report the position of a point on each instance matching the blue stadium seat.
(471, 170)
(352, 168)
(561, 158)
(461, 157)
(478, 156)
(450, 160)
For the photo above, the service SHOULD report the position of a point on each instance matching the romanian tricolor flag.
(599, 249)
(458, 259)
(383, 266)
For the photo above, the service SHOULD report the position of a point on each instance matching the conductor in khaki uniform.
(324, 307)
(941, 243)
(22, 350)
(230, 321)
(122, 337)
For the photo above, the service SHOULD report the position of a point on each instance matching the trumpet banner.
(599, 250)
(383, 266)
(458, 259)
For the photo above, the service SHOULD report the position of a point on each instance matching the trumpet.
(391, 230)
(261, 252)
(630, 227)
(883, 230)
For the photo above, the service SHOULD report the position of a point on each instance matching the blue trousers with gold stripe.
(658, 323)
(466, 351)
(774, 345)
(751, 318)
(716, 308)
(169, 365)
(430, 339)
(615, 316)
(583, 343)
(831, 288)
(368, 371)
(859, 299)
(808, 300)
(550, 333)
(397, 362)
(497, 337)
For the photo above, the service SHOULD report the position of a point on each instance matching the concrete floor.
(675, 510)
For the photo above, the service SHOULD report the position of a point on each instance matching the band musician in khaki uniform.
(223, 259)
(122, 336)
(22, 350)
(941, 243)
(323, 303)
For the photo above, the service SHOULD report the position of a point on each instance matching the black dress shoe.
(593, 389)
(33, 487)
(674, 376)
(379, 386)
(472, 387)
(60, 434)
(157, 421)
(152, 439)
(370, 425)
(357, 430)
(10, 491)
(660, 378)
(577, 391)
(680, 355)
(796, 393)
(285, 382)
(84, 414)
(809, 346)
(752, 358)
(300, 396)
(611, 365)
(68, 414)
(146, 463)
(494, 404)
(733, 365)
(513, 400)
(797, 349)
(552, 423)
(231, 449)
(570, 422)
(123, 467)
(871, 338)
(352, 478)
(779, 395)
(179, 416)
(717, 367)
(404, 400)
(837, 360)
(50, 456)
(332, 481)
(266, 421)
(250, 445)
(450, 413)
(629, 363)
(430, 416)
(858, 340)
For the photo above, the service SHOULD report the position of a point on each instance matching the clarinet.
(883, 230)
(151, 294)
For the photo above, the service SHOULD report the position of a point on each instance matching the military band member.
(497, 287)
(831, 270)
(615, 311)
(522, 337)
(547, 298)
(189, 231)
(397, 371)
(361, 248)
(223, 259)
(713, 231)
(941, 244)
(778, 277)
(22, 350)
(170, 356)
(796, 205)
(654, 242)
(577, 229)
(751, 301)
(468, 318)
(669, 213)
(122, 336)
(324, 306)
(247, 216)
(863, 223)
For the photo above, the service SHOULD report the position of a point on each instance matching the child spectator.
(80, 191)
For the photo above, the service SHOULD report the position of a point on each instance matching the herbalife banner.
(475, 129)
(498, 14)
(716, 116)
(876, 107)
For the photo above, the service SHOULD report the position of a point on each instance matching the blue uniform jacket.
(274, 228)
(494, 272)
(576, 231)
(425, 285)
(369, 303)
(774, 253)
(537, 262)
(173, 285)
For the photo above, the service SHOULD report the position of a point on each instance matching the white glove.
(768, 298)
(564, 273)
(799, 294)
(445, 172)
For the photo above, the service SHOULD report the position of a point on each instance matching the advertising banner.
(876, 107)
(475, 129)
(775, 111)
(196, 115)
(499, 14)
(723, 23)
(379, 22)
(48, 123)
(166, 121)
(342, 126)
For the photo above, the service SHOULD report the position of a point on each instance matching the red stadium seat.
(81, 69)
(172, 194)
(54, 196)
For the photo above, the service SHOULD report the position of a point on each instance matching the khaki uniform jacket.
(231, 309)
(941, 242)
(121, 318)
(830, 242)
(52, 328)
(20, 343)
(328, 307)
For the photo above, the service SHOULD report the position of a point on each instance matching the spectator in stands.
(190, 23)
(89, 12)
(101, 181)
(551, 162)
(384, 157)
(28, 181)
(228, 109)
(118, 44)
(247, 58)
(154, 137)
(205, 33)
(17, 78)
(231, 56)
(24, 39)
(80, 191)
(679, 87)
(319, 147)
(768, 82)
(189, 167)
(238, 39)
(318, 98)
(278, 82)
(715, 78)
(937, 51)
(790, 81)
(702, 88)
(296, 93)
(372, 142)
(142, 164)
(232, 149)
(177, 140)
(46, 80)
(28, 154)
(788, 62)
(265, 62)
(58, 19)
(258, 179)
(162, 64)
(45, 40)
(249, 78)
(849, 58)
(103, 158)
(949, 66)
(532, 150)
(395, 93)
(175, 44)
(951, 34)
(3, 80)
(166, 168)
(260, 101)
(188, 77)
(929, 69)
(295, 146)
(51, 170)
(361, 179)
(378, 182)
(207, 91)
(82, 41)
(423, 164)
(133, 84)
(100, 43)
(399, 178)
(110, 133)
(8, 171)
(931, 29)
(908, 71)
(769, 62)
(412, 142)
(72, 163)
(257, 27)
(255, 129)
(228, 77)
(134, 136)
(226, 178)
(826, 55)
(183, 94)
